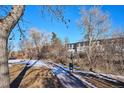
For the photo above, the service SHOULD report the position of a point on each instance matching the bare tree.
(39, 40)
(36, 39)
(117, 51)
(56, 44)
(25, 46)
(6, 25)
(95, 24)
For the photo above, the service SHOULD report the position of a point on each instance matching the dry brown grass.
(14, 70)
(101, 66)
(35, 77)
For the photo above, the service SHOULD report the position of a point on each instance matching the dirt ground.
(35, 77)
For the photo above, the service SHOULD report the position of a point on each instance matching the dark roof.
(86, 42)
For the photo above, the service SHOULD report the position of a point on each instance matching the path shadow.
(75, 82)
(15, 83)
(69, 79)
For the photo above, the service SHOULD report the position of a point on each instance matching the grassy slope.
(35, 77)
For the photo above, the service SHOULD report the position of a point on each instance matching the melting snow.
(28, 62)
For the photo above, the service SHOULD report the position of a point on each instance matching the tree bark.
(4, 72)
(6, 26)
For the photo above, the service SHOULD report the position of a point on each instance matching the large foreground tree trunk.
(6, 26)
(4, 72)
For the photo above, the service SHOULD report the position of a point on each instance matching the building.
(80, 47)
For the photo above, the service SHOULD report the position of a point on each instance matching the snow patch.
(28, 63)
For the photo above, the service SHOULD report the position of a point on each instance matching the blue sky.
(32, 15)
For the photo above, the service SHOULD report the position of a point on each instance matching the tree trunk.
(4, 72)
(6, 26)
